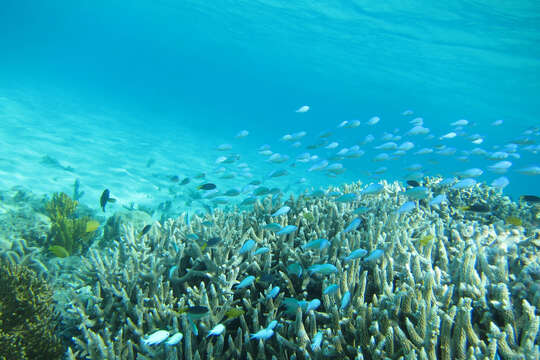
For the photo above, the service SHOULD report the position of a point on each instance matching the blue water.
(162, 70)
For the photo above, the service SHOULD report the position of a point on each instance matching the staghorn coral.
(27, 320)
(467, 293)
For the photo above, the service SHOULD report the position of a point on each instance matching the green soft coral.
(67, 231)
(27, 318)
(61, 206)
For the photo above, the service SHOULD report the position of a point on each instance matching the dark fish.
(145, 230)
(211, 242)
(150, 162)
(530, 198)
(196, 312)
(267, 278)
(105, 198)
(175, 178)
(255, 182)
(413, 183)
(477, 208)
(207, 186)
(185, 181)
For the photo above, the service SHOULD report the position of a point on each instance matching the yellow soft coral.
(68, 232)
(60, 206)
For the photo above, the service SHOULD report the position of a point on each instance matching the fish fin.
(111, 200)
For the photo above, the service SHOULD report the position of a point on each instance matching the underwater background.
(167, 121)
(83, 81)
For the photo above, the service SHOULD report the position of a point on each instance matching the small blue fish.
(263, 334)
(406, 207)
(217, 330)
(272, 325)
(156, 338)
(273, 293)
(246, 282)
(261, 190)
(250, 200)
(324, 269)
(294, 269)
(375, 254)
(273, 227)
(247, 246)
(470, 173)
(282, 211)
(174, 339)
(448, 181)
(262, 250)
(172, 270)
(356, 254)
(347, 198)
(331, 289)
(220, 201)
(439, 199)
(317, 193)
(372, 189)
(193, 326)
(287, 230)
(361, 210)
(318, 244)
(417, 193)
(291, 305)
(500, 182)
(352, 226)
(277, 173)
(316, 342)
(464, 183)
(313, 304)
(232, 192)
(345, 301)
(186, 219)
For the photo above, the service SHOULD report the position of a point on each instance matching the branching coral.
(460, 295)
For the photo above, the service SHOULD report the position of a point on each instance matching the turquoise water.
(143, 101)
(198, 72)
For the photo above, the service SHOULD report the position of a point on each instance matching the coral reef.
(27, 319)
(113, 227)
(470, 291)
(68, 232)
